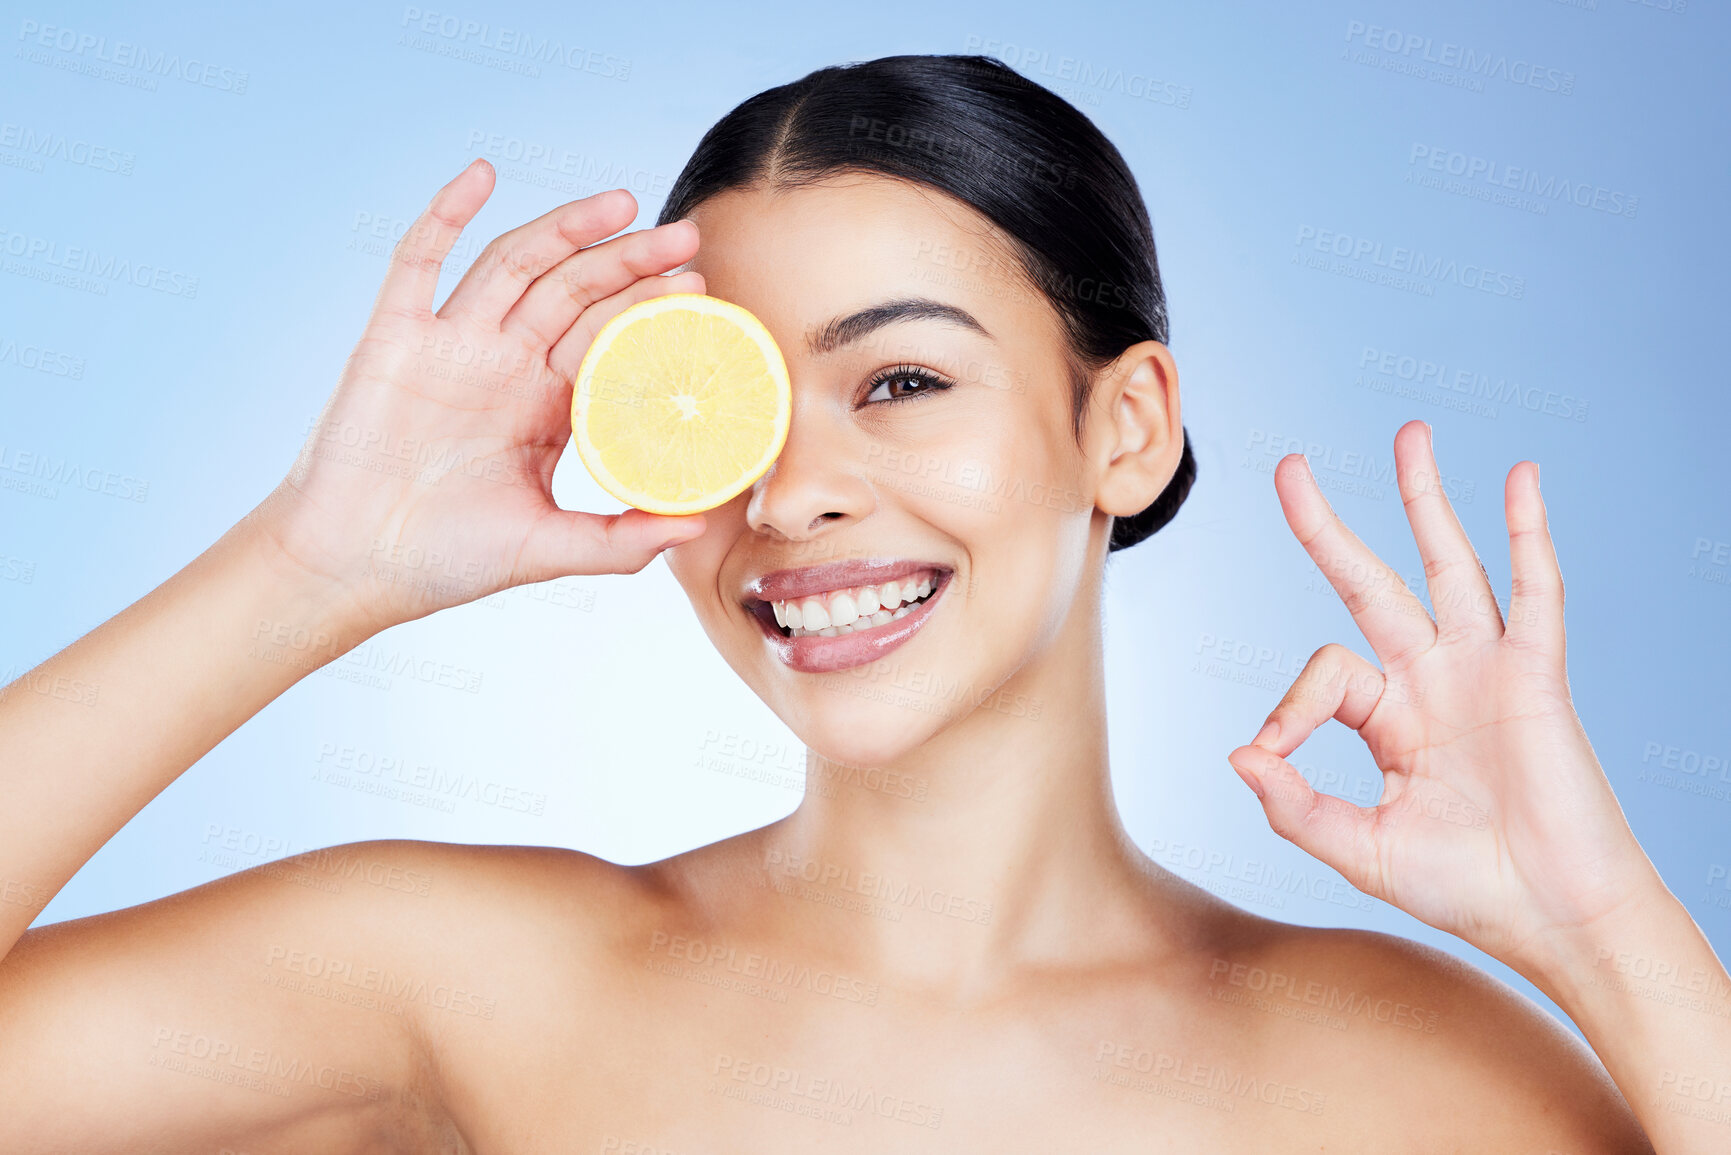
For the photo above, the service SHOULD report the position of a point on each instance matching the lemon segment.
(681, 402)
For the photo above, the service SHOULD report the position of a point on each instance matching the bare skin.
(984, 963)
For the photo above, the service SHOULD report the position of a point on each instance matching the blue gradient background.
(600, 704)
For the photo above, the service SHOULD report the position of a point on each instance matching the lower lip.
(814, 654)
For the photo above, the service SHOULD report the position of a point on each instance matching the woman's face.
(981, 482)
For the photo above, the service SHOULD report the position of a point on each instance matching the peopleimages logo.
(80, 49)
(46, 472)
(40, 358)
(1086, 79)
(583, 167)
(461, 37)
(1422, 373)
(1399, 51)
(80, 261)
(1488, 178)
(36, 145)
(1413, 266)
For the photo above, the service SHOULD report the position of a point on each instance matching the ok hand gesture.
(1496, 822)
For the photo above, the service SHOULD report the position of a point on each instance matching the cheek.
(1034, 521)
(697, 564)
(993, 476)
(1011, 499)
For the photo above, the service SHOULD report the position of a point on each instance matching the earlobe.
(1142, 439)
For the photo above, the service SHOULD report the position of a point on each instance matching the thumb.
(567, 542)
(1330, 829)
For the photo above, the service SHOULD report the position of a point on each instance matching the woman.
(961, 273)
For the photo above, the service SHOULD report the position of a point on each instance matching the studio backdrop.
(1505, 218)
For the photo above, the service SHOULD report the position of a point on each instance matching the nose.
(815, 483)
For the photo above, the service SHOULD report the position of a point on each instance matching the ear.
(1135, 429)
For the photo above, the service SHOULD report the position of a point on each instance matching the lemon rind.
(590, 454)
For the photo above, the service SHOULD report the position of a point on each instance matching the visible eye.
(921, 380)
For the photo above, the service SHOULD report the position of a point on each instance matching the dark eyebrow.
(839, 331)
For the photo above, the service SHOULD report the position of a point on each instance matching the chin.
(853, 725)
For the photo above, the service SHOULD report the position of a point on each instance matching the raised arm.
(99, 729)
(1496, 822)
(426, 483)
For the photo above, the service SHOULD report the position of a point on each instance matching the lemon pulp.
(680, 403)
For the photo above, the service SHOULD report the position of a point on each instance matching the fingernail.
(1270, 731)
(1249, 779)
(1535, 475)
(684, 535)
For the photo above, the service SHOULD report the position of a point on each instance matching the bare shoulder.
(315, 982)
(502, 911)
(1422, 1042)
(358, 991)
(503, 957)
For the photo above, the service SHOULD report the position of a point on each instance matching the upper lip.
(787, 584)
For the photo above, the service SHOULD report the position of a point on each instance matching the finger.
(1536, 585)
(554, 376)
(1328, 828)
(567, 356)
(1389, 615)
(416, 261)
(506, 267)
(1335, 683)
(568, 542)
(549, 306)
(1461, 597)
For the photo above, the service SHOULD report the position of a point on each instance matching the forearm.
(1654, 1001)
(91, 735)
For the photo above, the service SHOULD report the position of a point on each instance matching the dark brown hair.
(1017, 153)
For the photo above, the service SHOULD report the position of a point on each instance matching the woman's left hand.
(1496, 822)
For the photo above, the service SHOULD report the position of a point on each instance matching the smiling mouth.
(856, 609)
(853, 610)
(824, 618)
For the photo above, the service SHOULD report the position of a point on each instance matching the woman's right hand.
(427, 481)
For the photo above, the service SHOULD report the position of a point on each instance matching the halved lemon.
(681, 402)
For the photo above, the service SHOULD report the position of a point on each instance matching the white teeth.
(813, 615)
(844, 611)
(862, 622)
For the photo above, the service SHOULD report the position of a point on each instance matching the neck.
(997, 839)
